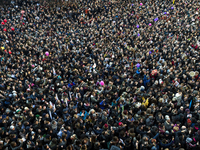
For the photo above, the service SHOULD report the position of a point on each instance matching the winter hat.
(37, 116)
(120, 123)
(187, 110)
(188, 140)
(12, 127)
(142, 88)
(7, 110)
(18, 110)
(105, 125)
(166, 132)
(167, 117)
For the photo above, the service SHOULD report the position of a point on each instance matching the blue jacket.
(157, 146)
(137, 72)
(98, 131)
(145, 80)
(102, 104)
(85, 115)
(68, 134)
(165, 145)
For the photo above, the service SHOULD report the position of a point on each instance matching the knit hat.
(120, 123)
(188, 140)
(105, 125)
(37, 116)
(167, 117)
(7, 110)
(18, 110)
(12, 127)
(187, 110)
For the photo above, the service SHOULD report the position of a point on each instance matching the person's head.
(145, 138)
(181, 108)
(46, 146)
(153, 140)
(164, 141)
(115, 139)
(13, 144)
(85, 140)
(54, 140)
(189, 122)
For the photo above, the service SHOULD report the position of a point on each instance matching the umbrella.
(137, 65)
(154, 71)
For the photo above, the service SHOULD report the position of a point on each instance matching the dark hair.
(138, 137)
(115, 139)
(122, 133)
(93, 138)
(13, 144)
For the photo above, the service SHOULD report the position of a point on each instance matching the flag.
(122, 109)
(132, 65)
(56, 97)
(54, 72)
(50, 114)
(53, 106)
(21, 17)
(66, 101)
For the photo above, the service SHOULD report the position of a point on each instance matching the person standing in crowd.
(104, 74)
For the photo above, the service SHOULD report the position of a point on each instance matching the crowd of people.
(100, 74)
